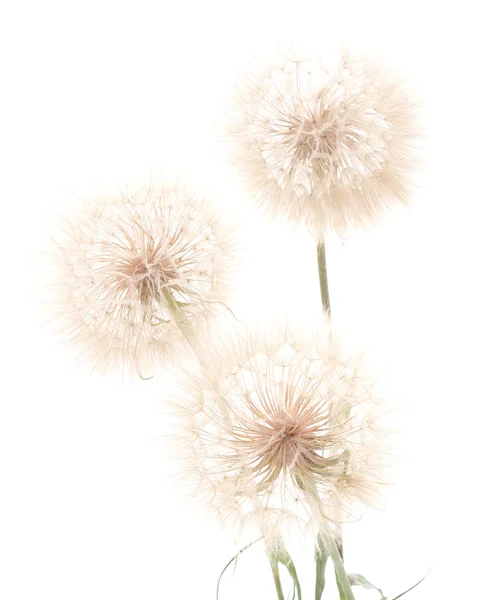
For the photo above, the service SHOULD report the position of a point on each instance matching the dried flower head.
(137, 271)
(327, 148)
(282, 430)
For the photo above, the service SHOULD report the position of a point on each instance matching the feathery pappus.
(327, 147)
(137, 273)
(283, 429)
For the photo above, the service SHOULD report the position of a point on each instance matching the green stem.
(282, 556)
(343, 582)
(198, 351)
(182, 323)
(330, 543)
(285, 558)
(323, 273)
(277, 578)
(325, 302)
(321, 557)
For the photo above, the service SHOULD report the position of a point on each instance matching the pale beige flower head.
(283, 427)
(137, 273)
(330, 147)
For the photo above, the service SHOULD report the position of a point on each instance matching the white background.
(95, 94)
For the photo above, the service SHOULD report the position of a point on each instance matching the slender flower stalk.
(320, 554)
(276, 576)
(321, 558)
(323, 274)
(278, 556)
(344, 587)
(330, 544)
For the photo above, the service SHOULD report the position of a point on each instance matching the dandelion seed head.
(330, 147)
(133, 269)
(287, 427)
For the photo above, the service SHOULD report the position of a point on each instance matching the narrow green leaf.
(412, 587)
(234, 559)
(360, 580)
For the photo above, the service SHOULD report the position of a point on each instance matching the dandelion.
(282, 431)
(136, 272)
(330, 148)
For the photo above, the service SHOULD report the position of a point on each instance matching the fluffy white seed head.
(282, 431)
(327, 147)
(137, 272)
